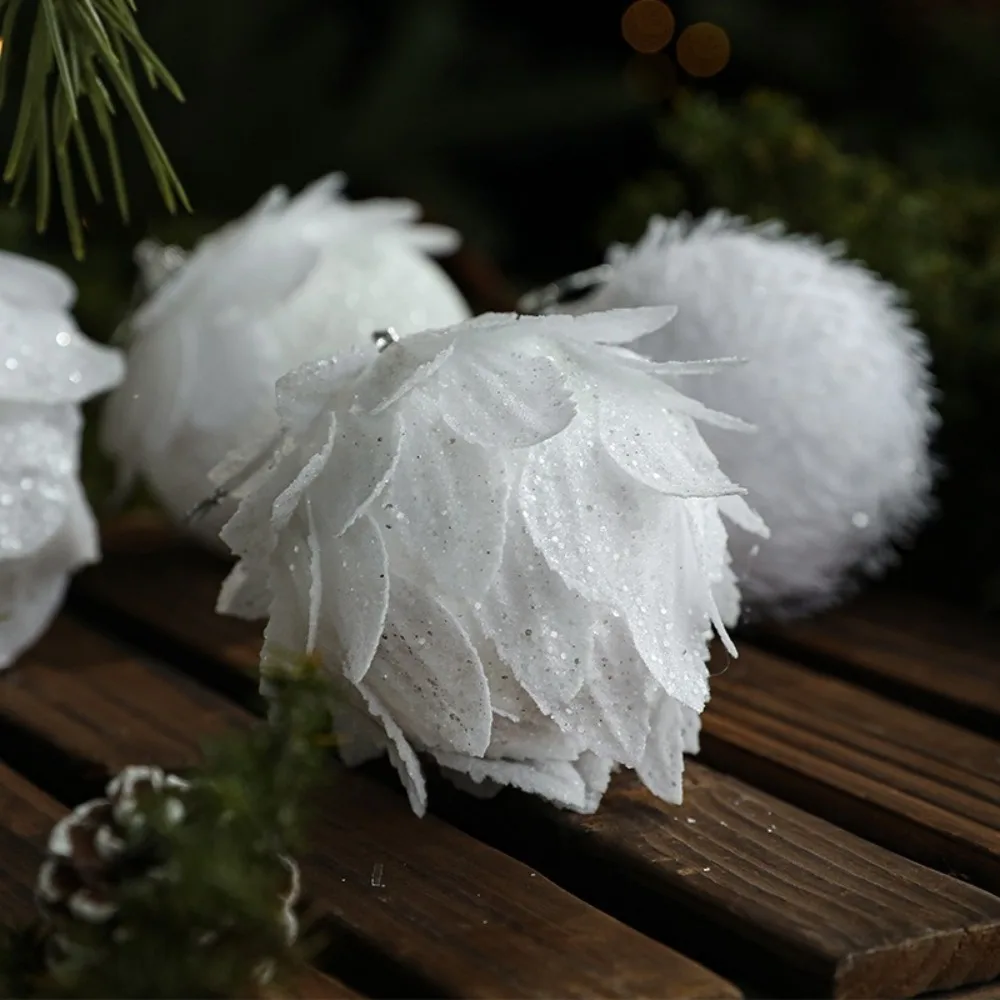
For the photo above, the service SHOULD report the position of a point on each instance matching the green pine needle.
(78, 53)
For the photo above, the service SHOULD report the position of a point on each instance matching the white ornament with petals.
(292, 281)
(836, 381)
(486, 536)
(47, 369)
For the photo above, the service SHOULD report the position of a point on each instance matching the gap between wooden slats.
(927, 655)
(418, 908)
(833, 940)
(912, 782)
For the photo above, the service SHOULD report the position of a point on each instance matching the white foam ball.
(836, 381)
(292, 281)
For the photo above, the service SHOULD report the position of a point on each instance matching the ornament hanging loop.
(574, 285)
(385, 338)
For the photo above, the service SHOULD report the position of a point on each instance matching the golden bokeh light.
(648, 26)
(703, 49)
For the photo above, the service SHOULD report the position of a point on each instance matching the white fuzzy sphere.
(836, 381)
(292, 281)
(505, 542)
(47, 369)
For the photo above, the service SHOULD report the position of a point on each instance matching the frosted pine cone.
(837, 383)
(488, 537)
(47, 370)
(292, 281)
(98, 848)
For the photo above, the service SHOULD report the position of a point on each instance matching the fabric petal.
(596, 531)
(662, 768)
(38, 465)
(288, 500)
(295, 585)
(446, 507)
(613, 326)
(541, 629)
(364, 459)
(429, 675)
(34, 284)
(399, 370)
(48, 360)
(355, 572)
(644, 434)
(558, 781)
(305, 391)
(401, 752)
(504, 400)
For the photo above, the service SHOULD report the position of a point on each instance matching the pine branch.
(78, 53)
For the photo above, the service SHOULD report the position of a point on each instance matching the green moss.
(249, 804)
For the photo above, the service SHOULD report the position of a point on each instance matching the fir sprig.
(220, 870)
(77, 54)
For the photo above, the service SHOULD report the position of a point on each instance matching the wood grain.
(458, 915)
(26, 817)
(915, 784)
(947, 663)
(852, 918)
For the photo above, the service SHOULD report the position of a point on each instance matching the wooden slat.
(846, 912)
(913, 783)
(457, 914)
(947, 662)
(26, 817)
(105, 704)
(990, 992)
(855, 919)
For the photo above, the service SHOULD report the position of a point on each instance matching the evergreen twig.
(78, 53)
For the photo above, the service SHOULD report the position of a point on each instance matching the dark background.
(534, 128)
(519, 121)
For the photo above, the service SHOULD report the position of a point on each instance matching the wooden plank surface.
(847, 912)
(853, 917)
(916, 784)
(456, 914)
(947, 663)
(26, 817)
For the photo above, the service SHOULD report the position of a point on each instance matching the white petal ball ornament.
(292, 281)
(505, 541)
(837, 384)
(47, 369)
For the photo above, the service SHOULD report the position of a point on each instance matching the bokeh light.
(648, 26)
(703, 49)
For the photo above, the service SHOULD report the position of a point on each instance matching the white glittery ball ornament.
(292, 281)
(47, 369)
(504, 540)
(836, 382)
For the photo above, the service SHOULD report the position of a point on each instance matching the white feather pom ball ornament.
(292, 281)
(505, 541)
(837, 384)
(47, 369)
